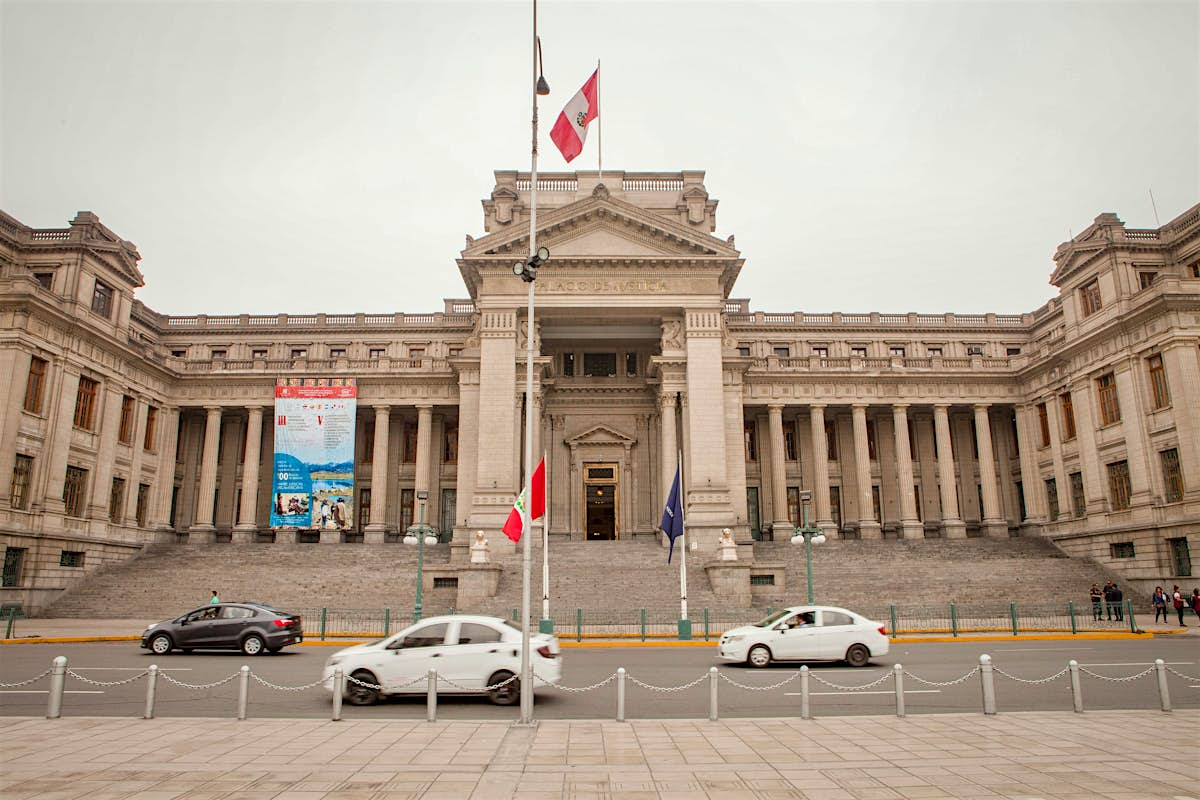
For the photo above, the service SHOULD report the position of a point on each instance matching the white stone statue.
(726, 547)
(479, 549)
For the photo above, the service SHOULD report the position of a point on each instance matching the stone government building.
(1077, 421)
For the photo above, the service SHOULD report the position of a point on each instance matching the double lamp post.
(423, 535)
(810, 535)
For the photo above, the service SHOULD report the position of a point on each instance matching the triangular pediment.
(599, 435)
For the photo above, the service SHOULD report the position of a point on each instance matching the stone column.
(1181, 362)
(868, 528)
(165, 476)
(993, 522)
(376, 529)
(58, 435)
(137, 452)
(1137, 444)
(709, 507)
(424, 459)
(1032, 485)
(106, 453)
(670, 445)
(15, 364)
(952, 526)
(820, 462)
(1095, 483)
(203, 531)
(910, 524)
(781, 522)
(245, 529)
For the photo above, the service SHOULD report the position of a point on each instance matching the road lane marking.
(906, 691)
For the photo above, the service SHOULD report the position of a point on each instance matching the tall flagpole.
(546, 626)
(683, 536)
(526, 685)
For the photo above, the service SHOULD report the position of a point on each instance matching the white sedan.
(471, 654)
(806, 633)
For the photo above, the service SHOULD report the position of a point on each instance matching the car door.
(477, 653)
(226, 630)
(412, 655)
(796, 637)
(196, 627)
(838, 631)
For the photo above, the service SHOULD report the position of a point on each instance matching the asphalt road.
(932, 685)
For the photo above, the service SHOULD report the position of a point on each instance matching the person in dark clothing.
(1108, 600)
(1159, 601)
(1097, 598)
(1177, 602)
(1118, 603)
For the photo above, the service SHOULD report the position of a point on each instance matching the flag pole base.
(546, 626)
(685, 630)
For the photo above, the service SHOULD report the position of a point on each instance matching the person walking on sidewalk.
(1177, 602)
(1159, 601)
(1196, 601)
(1097, 596)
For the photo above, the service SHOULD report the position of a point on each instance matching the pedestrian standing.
(1159, 601)
(1196, 601)
(1108, 600)
(214, 599)
(1118, 602)
(1177, 602)
(1097, 597)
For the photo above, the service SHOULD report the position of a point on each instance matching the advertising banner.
(313, 485)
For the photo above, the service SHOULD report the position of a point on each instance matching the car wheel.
(509, 693)
(759, 656)
(858, 655)
(160, 645)
(253, 645)
(359, 695)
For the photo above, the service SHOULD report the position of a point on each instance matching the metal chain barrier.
(1176, 673)
(169, 679)
(79, 677)
(577, 689)
(445, 680)
(668, 689)
(783, 682)
(1089, 673)
(886, 677)
(270, 685)
(25, 683)
(1056, 675)
(956, 681)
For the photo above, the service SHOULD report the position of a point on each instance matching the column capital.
(981, 406)
(818, 406)
(424, 406)
(859, 406)
(255, 409)
(776, 408)
(382, 408)
(941, 406)
(214, 409)
(900, 407)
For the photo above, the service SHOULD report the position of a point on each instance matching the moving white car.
(472, 655)
(806, 633)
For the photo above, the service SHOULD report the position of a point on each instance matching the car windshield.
(767, 622)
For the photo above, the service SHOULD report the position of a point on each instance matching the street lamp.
(419, 540)
(809, 536)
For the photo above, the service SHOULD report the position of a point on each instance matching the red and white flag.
(570, 129)
(513, 525)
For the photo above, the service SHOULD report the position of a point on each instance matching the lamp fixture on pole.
(808, 535)
(420, 538)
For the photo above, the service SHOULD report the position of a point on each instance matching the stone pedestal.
(202, 534)
(996, 529)
(374, 535)
(243, 535)
(479, 549)
(726, 547)
(912, 530)
(331, 536)
(730, 581)
(954, 529)
(285, 536)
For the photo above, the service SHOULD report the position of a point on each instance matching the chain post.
(339, 683)
(387, 622)
(712, 694)
(151, 688)
(579, 624)
(58, 680)
(1076, 689)
(987, 680)
(1129, 616)
(1012, 612)
(643, 624)
(1163, 695)
(620, 694)
(322, 623)
(1071, 612)
(953, 621)
(431, 697)
(892, 613)
(706, 623)
(898, 675)
(243, 690)
(805, 708)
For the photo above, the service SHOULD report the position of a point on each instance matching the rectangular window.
(416, 354)
(409, 453)
(337, 352)
(1158, 381)
(1052, 498)
(1110, 409)
(1068, 416)
(1089, 297)
(751, 442)
(743, 350)
(974, 349)
(1120, 549)
(448, 509)
(831, 440)
(858, 352)
(102, 300)
(178, 353)
(125, 431)
(1118, 485)
(793, 505)
(70, 558)
(258, 353)
(219, 354)
(753, 517)
(935, 352)
(22, 474)
(568, 365)
(600, 365)
(876, 504)
(45, 279)
(1012, 351)
(1078, 501)
(143, 504)
(368, 448)
(116, 501)
(408, 499)
(872, 453)
(375, 352)
(821, 352)
(35, 385)
(364, 507)
(14, 560)
(1146, 280)
(85, 403)
(896, 352)
(1180, 556)
(1043, 424)
(835, 506)
(1172, 475)
(1194, 270)
(450, 445)
(782, 351)
(74, 490)
(631, 365)
(151, 421)
(789, 440)
(299, 352)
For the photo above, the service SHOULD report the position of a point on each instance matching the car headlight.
(735, 638)
(149, 627)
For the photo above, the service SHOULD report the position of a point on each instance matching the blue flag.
(672, 519)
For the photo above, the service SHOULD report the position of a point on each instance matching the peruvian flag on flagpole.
(513, 525)
(570, 129)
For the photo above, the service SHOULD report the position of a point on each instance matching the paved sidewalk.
(1107, 755)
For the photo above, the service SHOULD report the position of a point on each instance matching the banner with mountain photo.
(313, 484)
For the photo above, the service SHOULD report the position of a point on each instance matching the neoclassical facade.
(1077, 421)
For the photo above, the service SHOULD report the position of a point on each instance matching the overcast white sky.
(330, 156)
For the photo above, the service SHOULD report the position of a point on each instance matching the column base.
(331, 536)
(202, 534)
(994, 528)
(828, 528)
(285, 536)
(954, 529)
(912, 529)
(165, 535)
(244, 534)
(374, 534)
(870, 530)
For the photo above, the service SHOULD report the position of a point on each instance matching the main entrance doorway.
(600, 502)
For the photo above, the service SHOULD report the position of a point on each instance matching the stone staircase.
(615, 576)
